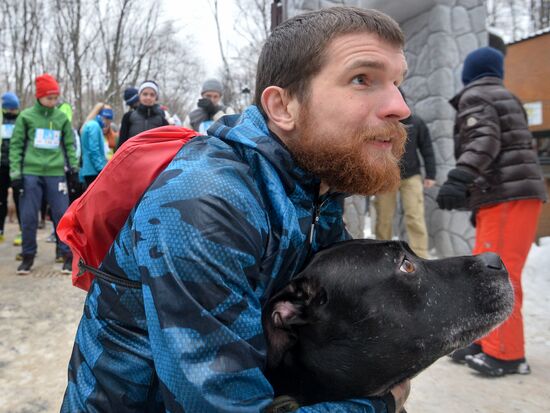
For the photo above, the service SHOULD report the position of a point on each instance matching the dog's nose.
(492, 260)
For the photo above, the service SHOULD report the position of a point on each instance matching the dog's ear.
(285, 311)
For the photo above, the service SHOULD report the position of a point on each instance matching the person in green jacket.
(41, 152)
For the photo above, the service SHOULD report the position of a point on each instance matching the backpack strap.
(105, 276)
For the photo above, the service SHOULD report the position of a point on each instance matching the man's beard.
(343, 162)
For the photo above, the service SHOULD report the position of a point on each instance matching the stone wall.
(437, 43)
(439, 34)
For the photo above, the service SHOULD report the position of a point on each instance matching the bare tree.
(227, 76)
(238, 72)
(72, 50)
(539, 11)
(126, 29)
(95, 50)
(172, 64)
(515, 19)
(23, 34)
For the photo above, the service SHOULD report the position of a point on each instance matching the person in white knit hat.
(209, 107)
(147, 115)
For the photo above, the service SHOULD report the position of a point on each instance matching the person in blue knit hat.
(131, 97)
(10, 111)
(497, 176)
(483, 62)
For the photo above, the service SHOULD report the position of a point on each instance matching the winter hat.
(10, 101)
(483, 62)
(107, 113)
(212, 85)
(46, 85)
(151, 84)
(99, 120)
(131, 96)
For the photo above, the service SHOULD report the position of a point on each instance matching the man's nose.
(394, 106)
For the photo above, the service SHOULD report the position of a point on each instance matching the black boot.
(59, 258)
(494, 367)
(67, 265)
(25, 267)
(459, 356)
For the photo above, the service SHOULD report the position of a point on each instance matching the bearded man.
(235, 216)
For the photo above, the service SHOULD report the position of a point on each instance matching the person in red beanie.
(47, 89)
(41, 150)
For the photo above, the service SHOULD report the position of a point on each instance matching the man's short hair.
(295, 50)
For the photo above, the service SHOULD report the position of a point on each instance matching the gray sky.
(197, 18)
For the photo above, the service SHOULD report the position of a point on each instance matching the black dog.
(365, 315)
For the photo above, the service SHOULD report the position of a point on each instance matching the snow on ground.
(39, 315)
(536, 273)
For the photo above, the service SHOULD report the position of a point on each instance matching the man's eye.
(407, 267)
(360, 80)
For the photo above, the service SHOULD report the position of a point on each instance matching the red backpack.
(93, 221)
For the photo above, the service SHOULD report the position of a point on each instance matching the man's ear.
(280, 108)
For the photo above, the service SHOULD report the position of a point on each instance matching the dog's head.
(364, 315)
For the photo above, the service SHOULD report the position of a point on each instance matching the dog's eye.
(320, 298)
(407, 266)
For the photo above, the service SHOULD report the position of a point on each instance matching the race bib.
(47, 138)
(7, 131)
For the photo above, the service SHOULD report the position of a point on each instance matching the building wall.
(438, 38)
(527, 73)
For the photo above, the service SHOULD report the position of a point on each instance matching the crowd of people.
(49, 161)
(219, 243)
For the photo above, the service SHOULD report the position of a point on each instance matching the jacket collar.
(43, 109)
(488, 80)
(250, 129)
(149, 111)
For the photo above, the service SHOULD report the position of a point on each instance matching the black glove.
(453, 193)
(473, 218)
(208, 106)
(73, 181)
(17, 185)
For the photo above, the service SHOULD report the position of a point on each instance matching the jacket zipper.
(314, 221)
(316, 217)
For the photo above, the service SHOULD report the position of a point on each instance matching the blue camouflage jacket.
(228, 222)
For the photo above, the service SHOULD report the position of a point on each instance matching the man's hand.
(17, 185)
(400, 393)
(454, 192)
(208, 106)
(428, 183)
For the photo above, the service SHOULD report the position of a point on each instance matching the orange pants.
(508, 229)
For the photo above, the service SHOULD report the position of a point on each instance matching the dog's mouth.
(465, 331)
(496, 304)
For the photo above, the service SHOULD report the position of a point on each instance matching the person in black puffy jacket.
(498, 177)
(147, 115)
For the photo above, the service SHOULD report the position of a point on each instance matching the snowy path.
(39, 314)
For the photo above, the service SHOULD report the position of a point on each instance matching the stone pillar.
(439, 34)
(438, 40)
